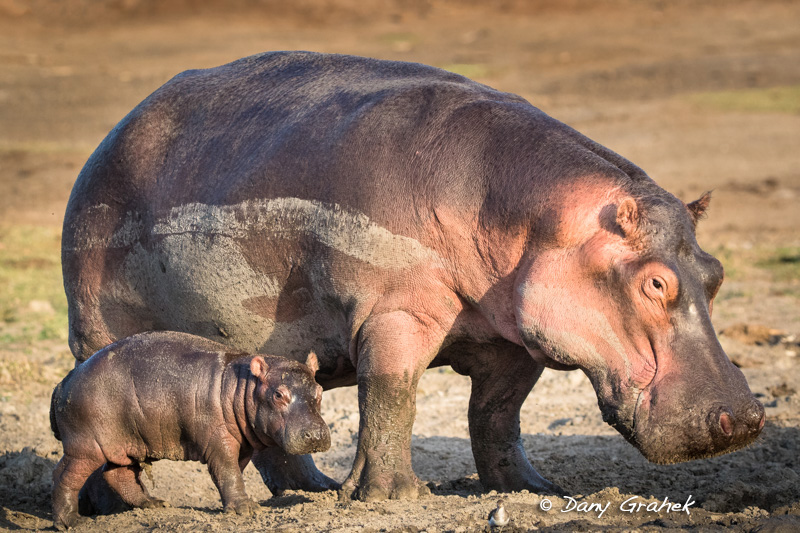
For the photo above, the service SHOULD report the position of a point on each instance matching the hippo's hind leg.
(96, 497)
(502, 377)
(281, 472)
(68, 477)
(126, 481)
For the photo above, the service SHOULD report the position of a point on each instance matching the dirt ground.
(701, 95)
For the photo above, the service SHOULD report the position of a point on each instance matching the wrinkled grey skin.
(168, 395)
(392, 217)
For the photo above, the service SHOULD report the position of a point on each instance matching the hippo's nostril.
(754, 417)
(725, 423)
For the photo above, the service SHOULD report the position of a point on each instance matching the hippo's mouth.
(665, 431)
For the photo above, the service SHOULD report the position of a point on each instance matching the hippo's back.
(270, 202)
(277, 124)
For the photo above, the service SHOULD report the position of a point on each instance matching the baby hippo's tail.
(54, 399)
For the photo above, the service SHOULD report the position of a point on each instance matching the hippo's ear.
(628, 217)
(697, 209)
(259, 367)
(312, 363)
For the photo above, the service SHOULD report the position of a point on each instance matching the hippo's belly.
(281, 276)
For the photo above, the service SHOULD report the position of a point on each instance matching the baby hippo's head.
(287, 403)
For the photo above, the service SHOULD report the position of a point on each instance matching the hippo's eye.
(282, 395)
(659, 284)
(656, 288)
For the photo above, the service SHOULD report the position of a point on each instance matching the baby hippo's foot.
(245, 507)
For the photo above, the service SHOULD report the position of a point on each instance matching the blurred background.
(703, 95)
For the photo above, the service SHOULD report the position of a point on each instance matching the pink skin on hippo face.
(630, 304)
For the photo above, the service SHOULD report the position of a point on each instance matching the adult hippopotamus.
(392, 217)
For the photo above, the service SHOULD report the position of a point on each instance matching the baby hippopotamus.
(167, 395)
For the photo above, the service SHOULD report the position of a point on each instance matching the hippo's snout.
(318, 440)
(731, 431)
(681, 420)
(310, 440)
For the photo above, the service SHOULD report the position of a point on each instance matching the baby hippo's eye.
(282, 395)
(657, 284)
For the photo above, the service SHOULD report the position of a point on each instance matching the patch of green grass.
(732, 294)
(771, 100)
(32, 302)
(783, 264)
(469, 70)
(399, 37)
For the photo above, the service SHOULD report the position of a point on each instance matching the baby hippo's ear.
(312, 363)
(259, 367)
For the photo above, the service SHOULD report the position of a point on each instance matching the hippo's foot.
(64, 523)
(245, 506)
(515, 475)
(394, 486)
(281, 472)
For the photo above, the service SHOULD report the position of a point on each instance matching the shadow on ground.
(765, 475)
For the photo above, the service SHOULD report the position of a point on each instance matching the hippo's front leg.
(394, 350)
(226, 468)
(502, 377)
(282, 471)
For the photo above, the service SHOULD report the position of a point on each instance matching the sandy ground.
(686, 92)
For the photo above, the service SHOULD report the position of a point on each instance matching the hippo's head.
(619, 288)
(287, 404)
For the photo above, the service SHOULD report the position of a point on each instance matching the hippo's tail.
(54, 399)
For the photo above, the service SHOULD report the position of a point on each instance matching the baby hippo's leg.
(226, 471)
(68, 477)
(127, 482)
(96, 497)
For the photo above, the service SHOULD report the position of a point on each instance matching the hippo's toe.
(245, 507)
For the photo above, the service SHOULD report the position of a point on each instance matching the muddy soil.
(650, 80)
